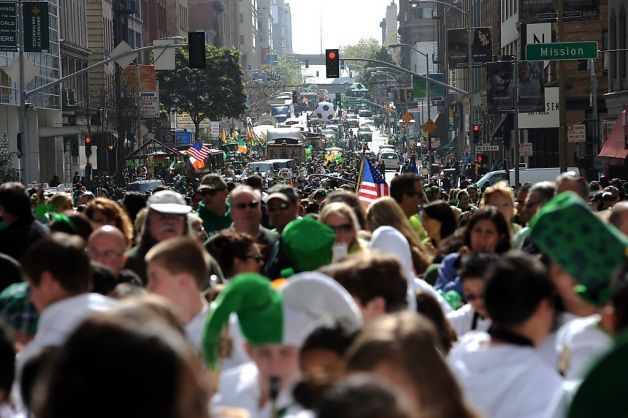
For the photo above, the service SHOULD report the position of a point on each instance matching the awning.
(615, 146)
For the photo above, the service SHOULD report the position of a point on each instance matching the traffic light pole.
(515, 75)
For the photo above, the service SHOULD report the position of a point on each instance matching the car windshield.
(365, 129)
(389, 156)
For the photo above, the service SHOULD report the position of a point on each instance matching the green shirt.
(417, 226)
(213, 223)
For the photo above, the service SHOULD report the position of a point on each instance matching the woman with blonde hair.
(500, 195)
(102, 211)
(405, 349)
(386, 212)
(61, 201)
(341, 218)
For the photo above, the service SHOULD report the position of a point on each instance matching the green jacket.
(213, 223)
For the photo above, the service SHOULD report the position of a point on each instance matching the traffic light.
(476, 134)
(338, 101)
(88, 146)
(332, 61)
(480, 159)
(196, 49)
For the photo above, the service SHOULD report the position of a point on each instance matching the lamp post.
(427, 94)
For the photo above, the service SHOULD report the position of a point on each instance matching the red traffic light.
(88, 140)
(332, 55)
(476, 128)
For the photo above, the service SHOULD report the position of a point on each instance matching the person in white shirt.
(501, 372)
(472, 316)
(177, 269)
(58, 271)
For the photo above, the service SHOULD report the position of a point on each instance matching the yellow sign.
(429, 126)
(406, 118)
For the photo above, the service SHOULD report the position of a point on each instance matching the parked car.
(365, 134)
(528, 175)
(390, 159)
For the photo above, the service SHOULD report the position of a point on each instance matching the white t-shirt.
(194, 328)
(503, 381)
(461, 320)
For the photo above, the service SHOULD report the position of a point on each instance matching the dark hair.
(35, 370)
(103, 280)
(403, 184)
(350, 199)
(72, 224)
(255, 182)
(363, 396)
(181, 255)
(619, 297)
(14, 200)
(133, 202)
(7, 360)
(228, 245)
(361, 274)
(428, 306)
(516, 284)
(492, 214)
(64, 257)
(336, 339)
(10, 269)
(476, 264)
(110, 367)
(441, 211)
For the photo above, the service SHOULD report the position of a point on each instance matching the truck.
(526, 175)
(285, 143)
(280, 112)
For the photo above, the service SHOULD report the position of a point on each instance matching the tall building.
(616, 63)
(42, 147)
(163, 19)
(249, 50)
(264, 31)
(282, 27)
(415, 24)
(391, 24)
(100, 41)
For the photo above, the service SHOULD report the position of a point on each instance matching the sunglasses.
(280, 206)
(252, 205)
(342, 228)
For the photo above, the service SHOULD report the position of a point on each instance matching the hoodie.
(505, 380)
(390, 241)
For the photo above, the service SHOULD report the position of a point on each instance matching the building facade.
(265, 31)
(282, 27)
(247, 42)
(390, 28)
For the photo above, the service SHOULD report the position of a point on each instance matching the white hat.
(167, 201)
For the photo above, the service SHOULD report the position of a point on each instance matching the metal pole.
(430, 157)
(471, 86)
(561, 75)
(596, 138)
(516, 120)
(22, 115)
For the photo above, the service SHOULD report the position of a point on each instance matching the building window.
(621, 31)
(241, 18)
(241, 40)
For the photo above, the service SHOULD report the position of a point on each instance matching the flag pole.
(359, 182)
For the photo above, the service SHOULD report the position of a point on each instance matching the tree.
(365, 48)
(383, 55)
(214, 92)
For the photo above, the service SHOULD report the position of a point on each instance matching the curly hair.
(114, 212)
(227, 246)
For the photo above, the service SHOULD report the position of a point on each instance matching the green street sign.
(353, 102)
(562, 51)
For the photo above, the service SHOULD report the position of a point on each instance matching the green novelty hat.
(307, 243)
(270, 316)
(603, 392)
(583, 245)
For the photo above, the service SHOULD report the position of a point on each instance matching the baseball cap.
(282, 192)
(212, 182)
(167, 201)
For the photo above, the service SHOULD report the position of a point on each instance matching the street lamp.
(427, 94)
(444, 3)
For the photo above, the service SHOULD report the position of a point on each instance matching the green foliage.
(383, 55)
(214, 92)
(365, 48)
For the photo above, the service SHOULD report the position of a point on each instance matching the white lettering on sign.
(562, 52)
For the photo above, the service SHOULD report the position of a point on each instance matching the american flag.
(198, 151)
(373, 184)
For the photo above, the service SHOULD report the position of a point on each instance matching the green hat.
(308, 243)
(603, 392)
(270, 316)
(583, 245)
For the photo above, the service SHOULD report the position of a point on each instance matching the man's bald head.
(107, 246)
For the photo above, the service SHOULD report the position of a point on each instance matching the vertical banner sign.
(499, 89)
(8, 27)
(531, 86)
(35, 26)
(458, 47)
(482, 46)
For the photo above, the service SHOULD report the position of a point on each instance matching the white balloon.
(325, 111)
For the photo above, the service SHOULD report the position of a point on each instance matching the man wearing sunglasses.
(213, 209)
(282, 206)
(246, 212)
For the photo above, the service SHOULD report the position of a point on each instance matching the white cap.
(168, 201)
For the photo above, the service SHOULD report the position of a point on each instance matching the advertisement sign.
(499, 88)
(8, 27)
(458, 47)
(214, 129)
(149, 105)
(545, 10)
(548, 118)
(183, 137)
(35, 26)
(530, 87)
(142, 78)
(482, 46)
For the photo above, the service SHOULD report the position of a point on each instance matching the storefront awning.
(615, 146)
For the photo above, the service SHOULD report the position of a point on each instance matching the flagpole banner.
(499, 88)
(482, 46)
(458, 47)
(530, 86)
(36, 26)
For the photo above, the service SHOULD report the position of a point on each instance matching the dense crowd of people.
(252, 296)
